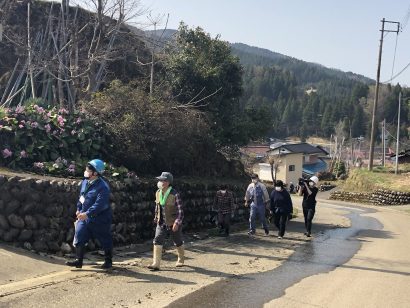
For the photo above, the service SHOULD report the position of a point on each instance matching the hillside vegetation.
(278, 85)
(362, 180)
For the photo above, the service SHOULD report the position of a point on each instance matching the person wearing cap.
(94, 214)
(309, 191)
(281, 206)
(258, 197)
(168, 218)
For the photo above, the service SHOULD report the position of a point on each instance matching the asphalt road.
(366, 265)
(358, 257)
(377, 275)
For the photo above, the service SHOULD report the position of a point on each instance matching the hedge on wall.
(48, 140)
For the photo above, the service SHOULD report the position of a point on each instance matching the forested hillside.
(307, 99)
(284, 96)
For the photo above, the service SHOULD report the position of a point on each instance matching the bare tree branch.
(194, 104)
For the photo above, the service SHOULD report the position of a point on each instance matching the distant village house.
(291, 161)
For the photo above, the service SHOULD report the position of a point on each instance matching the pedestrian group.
(94, 213)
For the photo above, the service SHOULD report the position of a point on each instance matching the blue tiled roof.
(312, 169)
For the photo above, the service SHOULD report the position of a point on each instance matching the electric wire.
(395, 139)
(398, 74)
(402, 25)
(394, 56)
(405, 19)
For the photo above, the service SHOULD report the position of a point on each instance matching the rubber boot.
(181, 256)
(107, 259)
(78, 262)
(157, 256)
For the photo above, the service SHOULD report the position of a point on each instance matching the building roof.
(256, 149)
(303, 147)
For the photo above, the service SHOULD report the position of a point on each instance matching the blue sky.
(342, 34)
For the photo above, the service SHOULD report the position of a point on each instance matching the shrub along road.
(224, 271)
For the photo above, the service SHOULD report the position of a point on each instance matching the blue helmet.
(98, 165)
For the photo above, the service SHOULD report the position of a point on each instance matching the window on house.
(291, 167)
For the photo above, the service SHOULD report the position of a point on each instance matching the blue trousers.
(85, 230)
(257, 211)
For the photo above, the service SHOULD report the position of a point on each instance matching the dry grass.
(361, 180)
(312, 140)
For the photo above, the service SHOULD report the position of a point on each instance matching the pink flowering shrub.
(48, 140)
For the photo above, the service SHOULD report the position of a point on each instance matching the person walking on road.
(168, 218)
(258, 197)
(309, 191)
(281, 206)
(94, 214)
(224, 203)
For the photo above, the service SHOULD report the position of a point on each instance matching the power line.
(402, 26)
(405, 19)
(394, 56)
(398, 74)
(395, 139)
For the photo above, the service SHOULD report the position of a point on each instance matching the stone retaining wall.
(38, 214)
(378, 197)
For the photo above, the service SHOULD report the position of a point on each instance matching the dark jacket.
(281, 202)
(309, 201)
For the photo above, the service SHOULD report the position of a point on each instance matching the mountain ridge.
(264, 57)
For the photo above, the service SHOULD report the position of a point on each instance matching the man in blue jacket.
(94, 214)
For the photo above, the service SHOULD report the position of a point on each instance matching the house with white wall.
(291, 161)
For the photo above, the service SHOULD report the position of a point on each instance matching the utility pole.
(396, 168)
(351, 144)
(376, 98)
(384, 142)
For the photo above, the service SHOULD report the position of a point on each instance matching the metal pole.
(376, 99)
(396, 169)
(30, 67)
(384, 143)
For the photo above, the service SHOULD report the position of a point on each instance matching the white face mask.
(223, 191)
(311, 184)
(160, 185)
(86, 174)
(278, 188)
(255, 181)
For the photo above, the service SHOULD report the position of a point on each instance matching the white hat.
(314, 179)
